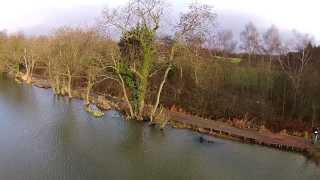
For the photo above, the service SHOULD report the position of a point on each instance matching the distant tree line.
(196, 67)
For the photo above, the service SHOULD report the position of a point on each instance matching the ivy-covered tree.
(138, 22)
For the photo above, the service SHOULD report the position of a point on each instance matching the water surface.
(43, 137)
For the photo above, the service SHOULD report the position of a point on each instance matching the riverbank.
(248, 136)
(210, 127)
(220, 129)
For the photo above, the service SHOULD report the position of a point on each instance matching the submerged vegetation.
(94, 111)
(196, 68)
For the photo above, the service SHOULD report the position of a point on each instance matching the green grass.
(231, 60)
(235, 60)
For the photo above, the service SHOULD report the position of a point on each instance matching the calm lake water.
(43, 137)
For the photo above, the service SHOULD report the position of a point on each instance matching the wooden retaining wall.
(219, 129)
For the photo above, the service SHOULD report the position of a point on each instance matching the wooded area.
(197, 67)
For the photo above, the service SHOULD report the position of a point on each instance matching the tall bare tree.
(250, 40)
(32, 56)
(96, 60)
(3, 50)
(272, 42)
(194, 29)
(225, 42)
(14, 52)
(298, 56)
(70, 47)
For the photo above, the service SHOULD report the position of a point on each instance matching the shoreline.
(213, 128)
(248, 136)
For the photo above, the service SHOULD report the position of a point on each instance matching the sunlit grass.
(231, 60)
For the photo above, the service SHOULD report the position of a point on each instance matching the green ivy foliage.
(137, 51)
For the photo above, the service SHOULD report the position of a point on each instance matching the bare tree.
(31, 56)
(14, 52)
(250, 40)
(194, 29)
(197, 23)
(225, 42)
(3, 50)
(295, 61)
(125, 18)
(272, 42)
(97, 60)
(72, 50)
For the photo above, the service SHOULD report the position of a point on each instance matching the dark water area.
(44, 137)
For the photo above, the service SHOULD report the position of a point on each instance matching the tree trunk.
(159, 93)
(295, 101)
(314, 113)
(57, 85)
(51, 78)
(69, 83)
(270, 62)
(284, 102)
(143, 84)
(89, 87)
(126, 96)
(28, 66)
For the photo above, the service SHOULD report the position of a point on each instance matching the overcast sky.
(38, 16)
